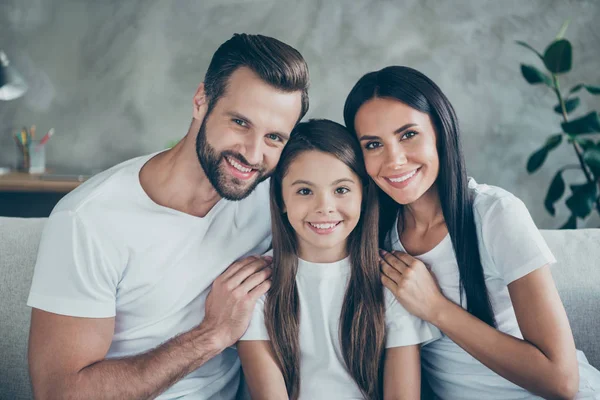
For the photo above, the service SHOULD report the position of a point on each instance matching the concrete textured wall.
(116, 78)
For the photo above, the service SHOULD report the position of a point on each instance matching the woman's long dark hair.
(362, 321)
(419, 92)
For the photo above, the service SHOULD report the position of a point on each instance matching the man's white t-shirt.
(511, 247)
(108, 250)
(321, 290)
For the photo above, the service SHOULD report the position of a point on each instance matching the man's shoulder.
(102, 187)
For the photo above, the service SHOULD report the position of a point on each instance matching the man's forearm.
(142, 376)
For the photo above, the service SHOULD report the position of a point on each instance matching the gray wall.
(116, 78)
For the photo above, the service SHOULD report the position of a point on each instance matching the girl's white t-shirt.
(321, 290)
(511, 247)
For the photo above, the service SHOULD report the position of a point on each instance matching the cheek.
(372, 165)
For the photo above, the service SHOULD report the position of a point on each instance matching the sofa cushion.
(19, 239)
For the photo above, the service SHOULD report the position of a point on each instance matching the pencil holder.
(31, 158)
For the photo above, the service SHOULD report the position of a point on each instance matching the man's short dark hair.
(275, 62)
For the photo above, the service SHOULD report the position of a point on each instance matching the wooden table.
(34, 195)
(24, 182)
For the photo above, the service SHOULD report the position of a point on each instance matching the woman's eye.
(304, 192)
(342, 190)
(409, 135)
(372, 145)
(239, 122)
(274, 137)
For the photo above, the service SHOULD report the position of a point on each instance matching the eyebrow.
(399, 130)
(234, 114)
(302, 182)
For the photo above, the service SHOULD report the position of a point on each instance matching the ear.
(200, 103)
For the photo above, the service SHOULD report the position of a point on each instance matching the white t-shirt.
(321, 290)
(108, 250)
(511, 247)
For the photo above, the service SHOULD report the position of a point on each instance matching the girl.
(323, 328)
(506, 332)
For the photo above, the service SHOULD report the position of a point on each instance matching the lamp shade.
(12, 84)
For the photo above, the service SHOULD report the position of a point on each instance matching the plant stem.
(578, 149)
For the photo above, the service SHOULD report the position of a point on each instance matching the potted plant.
(581, 132)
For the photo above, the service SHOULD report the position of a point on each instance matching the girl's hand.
(412, 284)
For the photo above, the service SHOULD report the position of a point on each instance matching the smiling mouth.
(324, 228)
(239, 170)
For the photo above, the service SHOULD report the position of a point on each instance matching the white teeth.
(324, 226)
(403, 178)
(238, 166)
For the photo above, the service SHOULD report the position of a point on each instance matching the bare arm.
(263, 376)
(402, 373)
(544, 362)
(67, 354)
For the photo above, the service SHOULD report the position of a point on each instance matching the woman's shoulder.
(492, 199)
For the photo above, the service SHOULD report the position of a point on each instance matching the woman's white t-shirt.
(321, 290)
(511, 247)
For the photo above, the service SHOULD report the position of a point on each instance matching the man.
(121, 295)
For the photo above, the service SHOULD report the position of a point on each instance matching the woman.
(328, 329)
(506, 332)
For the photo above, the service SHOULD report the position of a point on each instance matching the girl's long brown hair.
(362, 321)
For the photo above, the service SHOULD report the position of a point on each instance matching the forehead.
(319, 168)
(385, 115)
(266, 107)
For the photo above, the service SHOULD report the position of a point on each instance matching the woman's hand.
(412, 284)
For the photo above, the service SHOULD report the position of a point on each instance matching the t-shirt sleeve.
(74, 275)
(403, 328)
(512, 240)
(257, 330)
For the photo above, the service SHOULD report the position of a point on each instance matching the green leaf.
(576, 88)
(584, 143)
(570, 105)
(530, 48)
(586, 124)
(592, 158)
(534, 75)
(553, 141)
(555, 192)
(595, 90)
(582, 200)
(536, 160)
(563, 29)
(558, 56)
(571, 223)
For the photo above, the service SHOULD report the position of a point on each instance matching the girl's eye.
(409, 135)
(372, 145)
(274, 137)
(303, 192)
(239, 122)
(342, 190)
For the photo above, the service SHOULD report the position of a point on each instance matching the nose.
(395, 156)
(325, 204)
(252, 150)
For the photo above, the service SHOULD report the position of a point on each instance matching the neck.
(322, 255)
(175, 178)
(424, 213)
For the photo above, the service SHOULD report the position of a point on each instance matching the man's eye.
(239, 122)
(304, 192)
(372, 145)
(274, 137)
(342, 190)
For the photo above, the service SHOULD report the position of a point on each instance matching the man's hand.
(233, 296)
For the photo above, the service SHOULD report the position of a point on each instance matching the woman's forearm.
(514, 359)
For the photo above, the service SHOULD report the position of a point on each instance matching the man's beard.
(232, 188)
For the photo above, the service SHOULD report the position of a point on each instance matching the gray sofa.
(577, 275)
